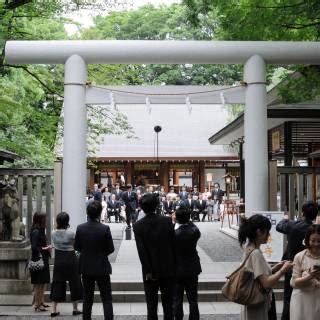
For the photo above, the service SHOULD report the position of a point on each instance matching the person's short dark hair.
(100, 185)
(94, 209)
(97, 196)
(182, 214)
(149, 202)
(129, 186)
(310, 210)
(314, 229)
(62, 220)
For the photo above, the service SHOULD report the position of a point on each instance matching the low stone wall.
(14, 276)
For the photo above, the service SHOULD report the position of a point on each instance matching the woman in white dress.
(305, 299)
(253, 232)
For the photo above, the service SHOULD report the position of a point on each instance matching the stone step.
(133, 292)
(138, 285)
(122, 317)
(138, 296)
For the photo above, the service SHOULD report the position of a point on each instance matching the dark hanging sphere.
(157, 128)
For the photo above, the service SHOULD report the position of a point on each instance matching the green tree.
(162, 23)
(285, 20)
(31, 96)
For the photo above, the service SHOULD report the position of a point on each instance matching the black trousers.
(116, 215)
(195, 216)
(129, 217)
(151, 288)
(105, 294)
(287, 291)
(190, 285)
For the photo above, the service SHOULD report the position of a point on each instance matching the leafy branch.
(35, 76)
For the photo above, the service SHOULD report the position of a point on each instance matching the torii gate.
(77, 54)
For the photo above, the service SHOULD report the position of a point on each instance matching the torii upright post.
(256, 136)
(75, 140)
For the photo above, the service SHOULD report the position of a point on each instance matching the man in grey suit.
(94, 242)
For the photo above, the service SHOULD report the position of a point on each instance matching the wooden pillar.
(90, 178)
(195, 174)
(288, 158)
(273, 185)
(164, 175)
(114, 177)
(128, 172)
(242, 172)
(283, 184)
(292, 203)
(175, 177)
(202, 178)
(310, 187)
(300, 185)
(57, 188)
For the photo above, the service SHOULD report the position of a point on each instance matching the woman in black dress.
(39, 247)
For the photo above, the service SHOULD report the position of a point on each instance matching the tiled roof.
(183, 134)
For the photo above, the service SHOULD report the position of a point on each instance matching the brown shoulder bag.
(241, 287)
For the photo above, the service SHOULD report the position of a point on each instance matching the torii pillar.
(256, 136)
(74, 176)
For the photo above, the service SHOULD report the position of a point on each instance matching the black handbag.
(36, 265)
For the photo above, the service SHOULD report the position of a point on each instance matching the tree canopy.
(264, 20)
(32, 95)
(163, 23)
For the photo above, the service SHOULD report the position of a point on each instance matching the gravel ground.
(217, 245)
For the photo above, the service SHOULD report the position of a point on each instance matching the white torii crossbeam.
(77, 54)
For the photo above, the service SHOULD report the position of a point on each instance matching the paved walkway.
(219, 254)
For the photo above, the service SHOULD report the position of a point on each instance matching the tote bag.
(241, 287)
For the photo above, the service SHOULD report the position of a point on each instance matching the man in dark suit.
(201, 205)
(117, 191)
(97, 194)
(177, 203)
(183, 194)
(94, 242)
(113, 208)
(189, 203)
(195, 191)
(168, 206)
(217, 196)
(130, 199)
(187, 264)
(154, 236)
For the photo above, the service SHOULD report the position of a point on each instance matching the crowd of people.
(166, 244)
(124, 205)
